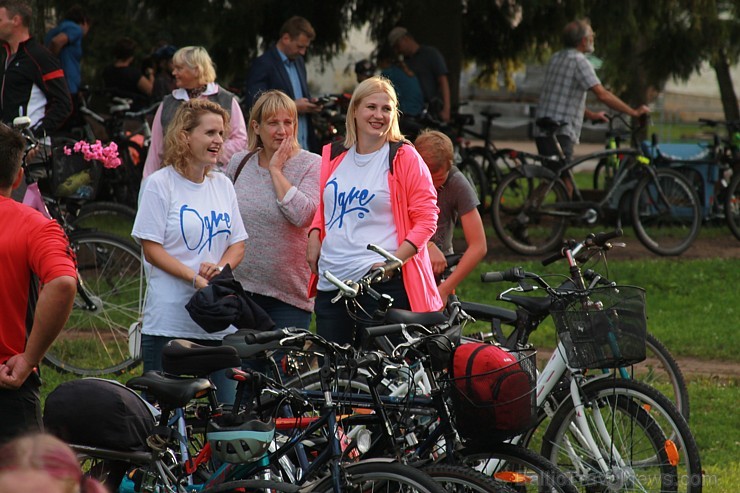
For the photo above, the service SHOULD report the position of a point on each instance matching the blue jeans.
(283, 314)
(151, 353)
(334, 323)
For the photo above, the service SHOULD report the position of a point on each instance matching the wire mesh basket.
(74, 177)
(497, 404)
(603, 327)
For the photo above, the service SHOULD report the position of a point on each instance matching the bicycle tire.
(472, 171)
(666, 376)
(106, 217)
(464, 479)
(95, 341)
(252, 485)
(732, 205)
(382, 477)
(649, 417)
(669, 232)
(523, 470)
(518, 216)
(603, 175)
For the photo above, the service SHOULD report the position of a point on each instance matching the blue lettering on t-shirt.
(209, 227)
(347, 203)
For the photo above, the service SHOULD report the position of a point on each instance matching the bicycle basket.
(73, 177)
(493, 391)
(604, 327)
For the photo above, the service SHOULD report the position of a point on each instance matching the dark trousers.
(20, 410)
(334, 323)
(546, 147)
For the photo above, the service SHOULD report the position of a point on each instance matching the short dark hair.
(77, 15)
(18, 7)
(575, 31)
(12, 144)
(124, 48)
(297, 25)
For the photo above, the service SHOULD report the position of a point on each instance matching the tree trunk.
(726, 89)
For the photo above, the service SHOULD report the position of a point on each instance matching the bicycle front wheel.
(106, 217)
(110, 296)
(665, 212)
(525, 212)
(381, 477)
(519, 468)
(463, 479)
(652, 448)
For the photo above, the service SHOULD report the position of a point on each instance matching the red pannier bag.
(493, 391)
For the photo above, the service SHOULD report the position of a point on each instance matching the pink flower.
(107, 155)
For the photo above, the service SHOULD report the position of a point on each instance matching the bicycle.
(660, 368)
(131, 132)
(110, 290)
(483, 165)
(605, 432)
(532, 206)
(619, 438)
(169, 466)
(710, 167)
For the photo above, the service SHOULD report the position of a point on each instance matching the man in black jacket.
(282, 67)
(32, 81)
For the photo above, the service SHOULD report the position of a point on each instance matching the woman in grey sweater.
(277, 188)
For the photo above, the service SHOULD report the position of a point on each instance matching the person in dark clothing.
(32, 79)
(124, 79)
(282, 67)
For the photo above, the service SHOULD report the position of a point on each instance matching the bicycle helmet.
(239, 439)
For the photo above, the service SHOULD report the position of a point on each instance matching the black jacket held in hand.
(223, 302)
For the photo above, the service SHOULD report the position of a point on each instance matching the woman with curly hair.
(189, 227)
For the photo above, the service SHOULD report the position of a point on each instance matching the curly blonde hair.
(267, 106)
(177, 152)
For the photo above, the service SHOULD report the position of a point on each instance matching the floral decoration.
(108, 155)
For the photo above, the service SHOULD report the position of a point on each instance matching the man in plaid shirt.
(568, 77)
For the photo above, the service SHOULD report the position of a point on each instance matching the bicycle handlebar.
(598, 240)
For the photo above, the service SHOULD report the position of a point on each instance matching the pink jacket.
(414, 205)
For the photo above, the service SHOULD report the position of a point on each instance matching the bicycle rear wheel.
(666, 213)
(107, 309)
(477, 179)
(525, 214)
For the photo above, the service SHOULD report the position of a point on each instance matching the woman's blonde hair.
(267, 106)
(198, 59)
(176, 149)
(437, 147)
(373, 85)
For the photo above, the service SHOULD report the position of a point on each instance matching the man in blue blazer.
(282, 67)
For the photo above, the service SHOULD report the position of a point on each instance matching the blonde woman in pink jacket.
(374, 188)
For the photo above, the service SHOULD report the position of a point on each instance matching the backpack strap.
(243, 162)
(394, 147)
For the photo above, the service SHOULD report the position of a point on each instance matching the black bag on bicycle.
(99, 413)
